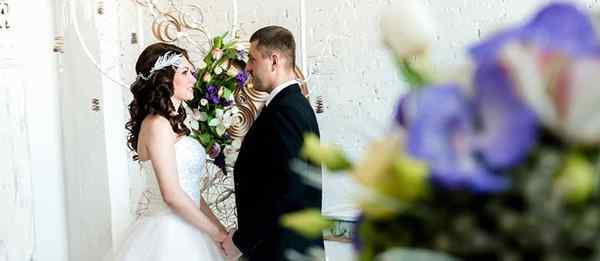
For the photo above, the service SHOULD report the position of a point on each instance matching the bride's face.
(183, 81)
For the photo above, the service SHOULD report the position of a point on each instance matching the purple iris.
(466, 141)
(212, 94)
(559, 27)
(241, 55)
(220, 162)
(241, 78)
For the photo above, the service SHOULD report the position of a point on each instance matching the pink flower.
(217, 53)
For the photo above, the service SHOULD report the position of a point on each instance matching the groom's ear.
(275, 60)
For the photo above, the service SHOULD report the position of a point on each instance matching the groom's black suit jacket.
(266, 187)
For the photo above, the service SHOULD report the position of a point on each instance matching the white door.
(93, 129)
(16, 220)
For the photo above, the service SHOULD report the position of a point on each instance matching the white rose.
(203, 102)
(407, 28)
(234, 110)
(228, 119)
(224, 65)
(232, 71)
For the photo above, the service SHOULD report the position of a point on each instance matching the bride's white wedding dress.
(161, 235)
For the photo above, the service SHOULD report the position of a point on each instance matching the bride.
(176, 224)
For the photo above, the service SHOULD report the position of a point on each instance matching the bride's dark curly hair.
(153, 96)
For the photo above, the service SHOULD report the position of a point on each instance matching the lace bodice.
(190, 157)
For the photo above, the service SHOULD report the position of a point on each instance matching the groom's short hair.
(278, 38)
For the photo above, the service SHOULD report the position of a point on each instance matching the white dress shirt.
(278, 89)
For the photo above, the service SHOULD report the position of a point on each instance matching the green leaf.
(331, 156)
(414, 78)
(218, 42)
(208, 60)
(205, 138)
(309, 222)
(227, 93)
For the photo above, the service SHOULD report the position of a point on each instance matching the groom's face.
(259, 67)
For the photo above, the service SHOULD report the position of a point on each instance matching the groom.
(265, 186)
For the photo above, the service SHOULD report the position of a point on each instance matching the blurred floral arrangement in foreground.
(503, 166)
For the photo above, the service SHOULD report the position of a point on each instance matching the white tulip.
(407, 28)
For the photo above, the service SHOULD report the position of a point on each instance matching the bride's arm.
(161, 151)
(206, 209)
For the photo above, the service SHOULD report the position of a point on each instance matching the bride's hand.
(220, 236)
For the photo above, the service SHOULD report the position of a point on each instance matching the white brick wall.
(345, 60)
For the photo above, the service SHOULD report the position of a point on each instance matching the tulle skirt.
(167, 237)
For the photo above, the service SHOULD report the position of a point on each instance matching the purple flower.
(220, 162)
(212, 94)
(455, 134)
(242, 55)
(551, 63)
(507, 127)
(214, 150)
(559, 27)
(226, 136)
(241, 78)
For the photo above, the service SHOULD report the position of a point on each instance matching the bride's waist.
(152, 204)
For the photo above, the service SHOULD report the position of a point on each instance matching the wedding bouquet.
(502, 166)
(214, 110)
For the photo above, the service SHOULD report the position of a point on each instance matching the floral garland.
(214, 110)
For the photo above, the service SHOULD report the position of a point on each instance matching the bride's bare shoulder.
(156, 126)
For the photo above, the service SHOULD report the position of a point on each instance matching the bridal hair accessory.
(165, 60)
